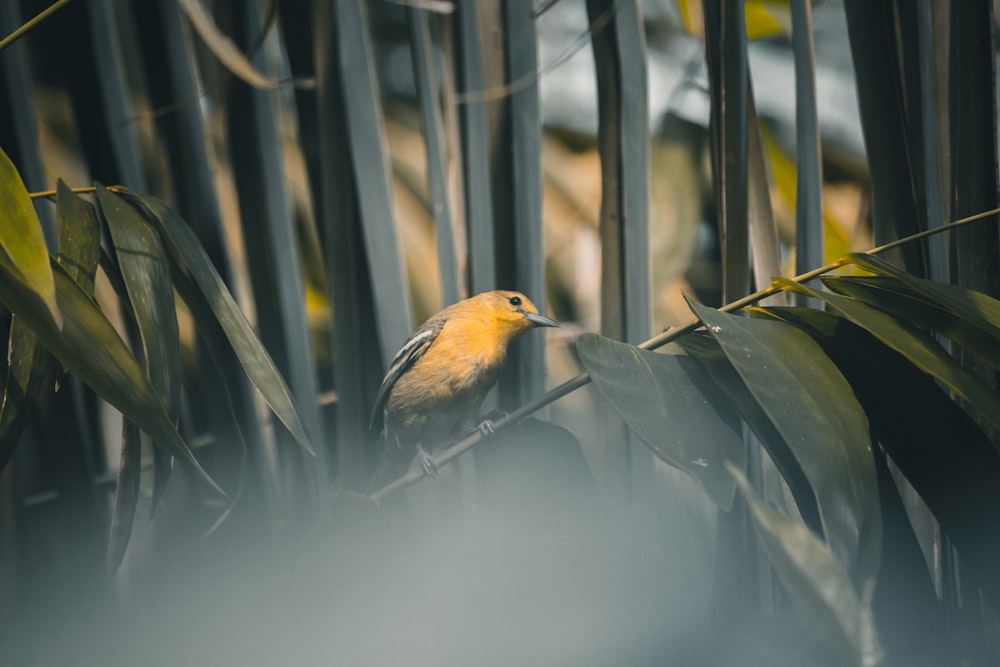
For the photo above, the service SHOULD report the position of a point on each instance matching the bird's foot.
(426, 462)
(488, 425)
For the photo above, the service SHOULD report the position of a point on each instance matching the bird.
(437, 381)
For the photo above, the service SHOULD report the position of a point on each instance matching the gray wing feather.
(412, 350)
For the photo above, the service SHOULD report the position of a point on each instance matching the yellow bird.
(439, 378)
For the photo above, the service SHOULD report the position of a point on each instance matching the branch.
(671, 334)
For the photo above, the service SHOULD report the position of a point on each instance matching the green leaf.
(937, 446)
(670, 402)
(24, 256)
(28, 366)
(892, 297)
(707, 351)
(89, 346)
(191, 257)
(916, 346)
(29, 361)
(79, 237)
(817, 583)
(145, 270)
(970, 318)
(126, 494)
(814, 409)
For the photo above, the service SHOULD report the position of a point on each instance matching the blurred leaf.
(79, 237)
(145, 270)
(126, 494)
(728, 78)
(24, 256)
(809, 168)
(428, 94)
(222, 47)
(814, 409)
(937, 446)
(192, 258)
(817, 583)
(475, 149)
(836, 243)
(362, 102)
(28, 365)
(916, 346)
(88, 345)
(764, 18)
(671, 403)
(764, 242)
(879, 48)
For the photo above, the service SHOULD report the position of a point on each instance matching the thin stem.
(52, 193)
(25, 27)
(653, 343)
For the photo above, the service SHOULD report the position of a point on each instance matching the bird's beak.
(539, 320)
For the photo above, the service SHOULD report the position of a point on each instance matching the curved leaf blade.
(189, 254)
(968, 318)
(817, 583)
(814, 409)
(28, 366)
(670, 402)
(145, 270)
(126, 494)
(941, 450)
(916, 346)
(90, 346)
(707, 351)
(23, 253)
(79, 249)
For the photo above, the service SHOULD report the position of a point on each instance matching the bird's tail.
(392, 465)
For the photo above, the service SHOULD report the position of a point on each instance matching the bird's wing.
(412, 350)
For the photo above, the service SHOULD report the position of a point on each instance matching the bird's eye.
(515, 301)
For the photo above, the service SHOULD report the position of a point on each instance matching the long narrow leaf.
(189, 254)
(89, 346)
(726, 53)
(765, 245)
(670, 402)
(79, 237)
(365, 138)
(809, 188)
(271, 242)
(707, 351)
(817, 583)
(24, 256)
(145, 270)
(28, 365)
(126, 494)
(974, 307)
(939, 448)
(814, 409)
(475, 149)
(919, 348)
(892, 297)
(520, 242)
(428, 94)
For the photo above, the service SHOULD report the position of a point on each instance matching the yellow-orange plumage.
(439, 378)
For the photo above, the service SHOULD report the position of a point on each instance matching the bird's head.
(511, 312)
